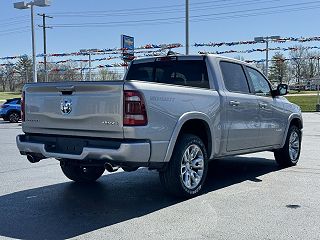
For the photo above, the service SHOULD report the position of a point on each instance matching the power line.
(130, 10)
(259, 14)
(95, 14)
(195, 18)
(12, 18)
(17, 22)
(13, 29)
(14, 32)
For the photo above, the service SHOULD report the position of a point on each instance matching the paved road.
(245, 197)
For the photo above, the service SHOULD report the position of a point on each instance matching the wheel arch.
(13, 111)
(294, 119)
(186, 124)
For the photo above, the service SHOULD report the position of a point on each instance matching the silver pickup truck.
(172, 114)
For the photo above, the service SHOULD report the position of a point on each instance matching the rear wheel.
(79, 173)
(290, 153)
(187, 169)
(14, 117)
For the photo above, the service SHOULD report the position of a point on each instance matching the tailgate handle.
(68, 90)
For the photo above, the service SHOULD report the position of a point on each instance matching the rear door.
(78, 108)
(241, 108)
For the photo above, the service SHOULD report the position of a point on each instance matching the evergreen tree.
(278, 68)
(24, 69)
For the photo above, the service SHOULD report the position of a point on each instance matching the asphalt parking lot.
(245, 197)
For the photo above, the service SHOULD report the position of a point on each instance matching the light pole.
(187, 27)
(318, 96)
(266, 40)
(89, 52)
(24, 5)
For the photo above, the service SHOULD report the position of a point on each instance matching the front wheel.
(81, 174)
(289, 155)
(187, 169)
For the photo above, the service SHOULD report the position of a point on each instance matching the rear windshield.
(186, 73)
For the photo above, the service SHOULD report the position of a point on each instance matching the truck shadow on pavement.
(68, 209)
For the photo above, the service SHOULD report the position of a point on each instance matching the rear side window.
(234, 77)
(185, 73)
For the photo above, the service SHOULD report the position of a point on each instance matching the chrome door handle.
(234, 103)
(263, 105)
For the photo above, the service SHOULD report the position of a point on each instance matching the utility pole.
(44, 16)
(187, 27)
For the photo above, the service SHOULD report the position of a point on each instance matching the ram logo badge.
(66, 106)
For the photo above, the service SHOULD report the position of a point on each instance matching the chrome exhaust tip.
(110, 168)
(33, 159)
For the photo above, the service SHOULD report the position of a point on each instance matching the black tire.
(81, 174)
(5, 119)
(174, 180)
(14, 117)
(289, 155)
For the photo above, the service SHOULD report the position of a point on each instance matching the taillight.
(134, 109)
(23, 106)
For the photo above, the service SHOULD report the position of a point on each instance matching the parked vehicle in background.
(172, 113)
(11, 110)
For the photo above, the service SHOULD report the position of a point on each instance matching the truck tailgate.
(75, 108)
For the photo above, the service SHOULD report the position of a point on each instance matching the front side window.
(234, 77)
(179, 72)
(260, 84)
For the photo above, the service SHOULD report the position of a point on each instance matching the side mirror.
(282, 89)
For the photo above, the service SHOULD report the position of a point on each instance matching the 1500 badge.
(110, 123)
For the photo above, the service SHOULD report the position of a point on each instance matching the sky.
(79, 24)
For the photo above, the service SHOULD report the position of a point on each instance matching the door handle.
(263, 105)
(234, 103)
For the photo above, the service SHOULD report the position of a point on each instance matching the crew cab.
(172, 113)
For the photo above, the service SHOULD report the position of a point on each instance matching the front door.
(241, 108)
(270, 110)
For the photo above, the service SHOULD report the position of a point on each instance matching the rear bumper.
(133, 151)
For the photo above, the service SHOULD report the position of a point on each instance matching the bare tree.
(3, 78)
(298, 61)
(106, 74)
(10, 79)
(261, 66)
